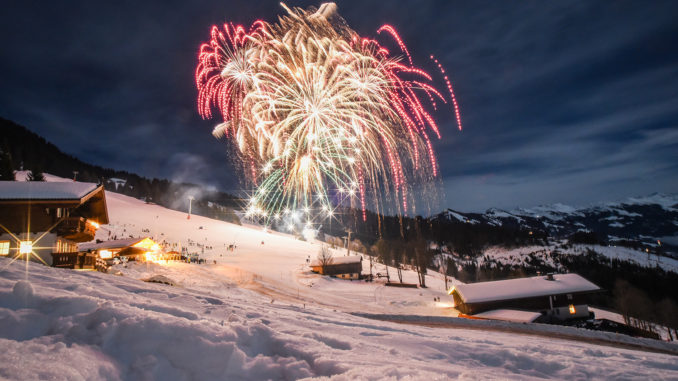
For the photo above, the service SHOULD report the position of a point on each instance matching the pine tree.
(35, 174)
(6, 166)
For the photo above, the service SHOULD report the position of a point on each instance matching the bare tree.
(383, 251)
(324, 258)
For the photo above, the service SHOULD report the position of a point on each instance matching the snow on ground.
(667, 201)
(277, 267)
(518, 256)
(521, 255)
(259, 313)
(554, 212)
(68, 325)
(631, 255)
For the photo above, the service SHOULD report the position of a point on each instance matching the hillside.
(259, 313)
(649, 222)
(631, 241)
(29, 151)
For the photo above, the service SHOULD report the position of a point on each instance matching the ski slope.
(277, 267)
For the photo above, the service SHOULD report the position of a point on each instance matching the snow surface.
(638, 257)
(664, 200)
(524, 288)
(23, 176)
(40, 190)
(522, 255)
(118, 243)
(89, 325)
(509, 315)
(553, 212)
(260, 313)
(340, 260)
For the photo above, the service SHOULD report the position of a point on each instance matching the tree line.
(22, 149)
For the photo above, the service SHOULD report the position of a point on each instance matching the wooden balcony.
(75, 260)
(76, 229)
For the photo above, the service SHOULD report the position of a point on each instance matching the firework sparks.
(319, 114)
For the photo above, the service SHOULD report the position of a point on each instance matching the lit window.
(4, 247)
(572, 310)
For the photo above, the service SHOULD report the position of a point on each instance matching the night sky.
(571, 102)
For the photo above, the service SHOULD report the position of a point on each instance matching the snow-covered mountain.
(650, 221)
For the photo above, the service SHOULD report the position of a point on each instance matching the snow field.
(88, 325)
(259, 314)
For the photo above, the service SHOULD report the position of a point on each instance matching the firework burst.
(319, 114)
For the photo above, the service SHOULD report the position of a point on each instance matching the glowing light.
(105, 254)
(312, 106)
(95, 224)
(148, 244)
(572, 310)
(25, 247)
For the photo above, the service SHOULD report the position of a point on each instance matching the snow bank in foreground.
(67, 325)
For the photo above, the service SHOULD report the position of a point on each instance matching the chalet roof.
(88, 198)
(113, 244)
(41, 190)
(340, 260)
(523, 288)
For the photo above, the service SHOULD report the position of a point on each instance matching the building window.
(4, 247)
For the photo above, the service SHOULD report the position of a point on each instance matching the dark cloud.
(570, 102)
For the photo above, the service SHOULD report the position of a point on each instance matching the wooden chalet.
(44, 221)
(341, 267)
(555, 296)
(135, 249)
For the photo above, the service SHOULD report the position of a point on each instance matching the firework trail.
(319, 114)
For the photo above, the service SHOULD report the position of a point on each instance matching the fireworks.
(321, 116)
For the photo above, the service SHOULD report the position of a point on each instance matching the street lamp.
(190, 202)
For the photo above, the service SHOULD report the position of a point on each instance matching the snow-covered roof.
(113, 244)
(341, 260)
(40, 190)
(523, 288)
(509, 315)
